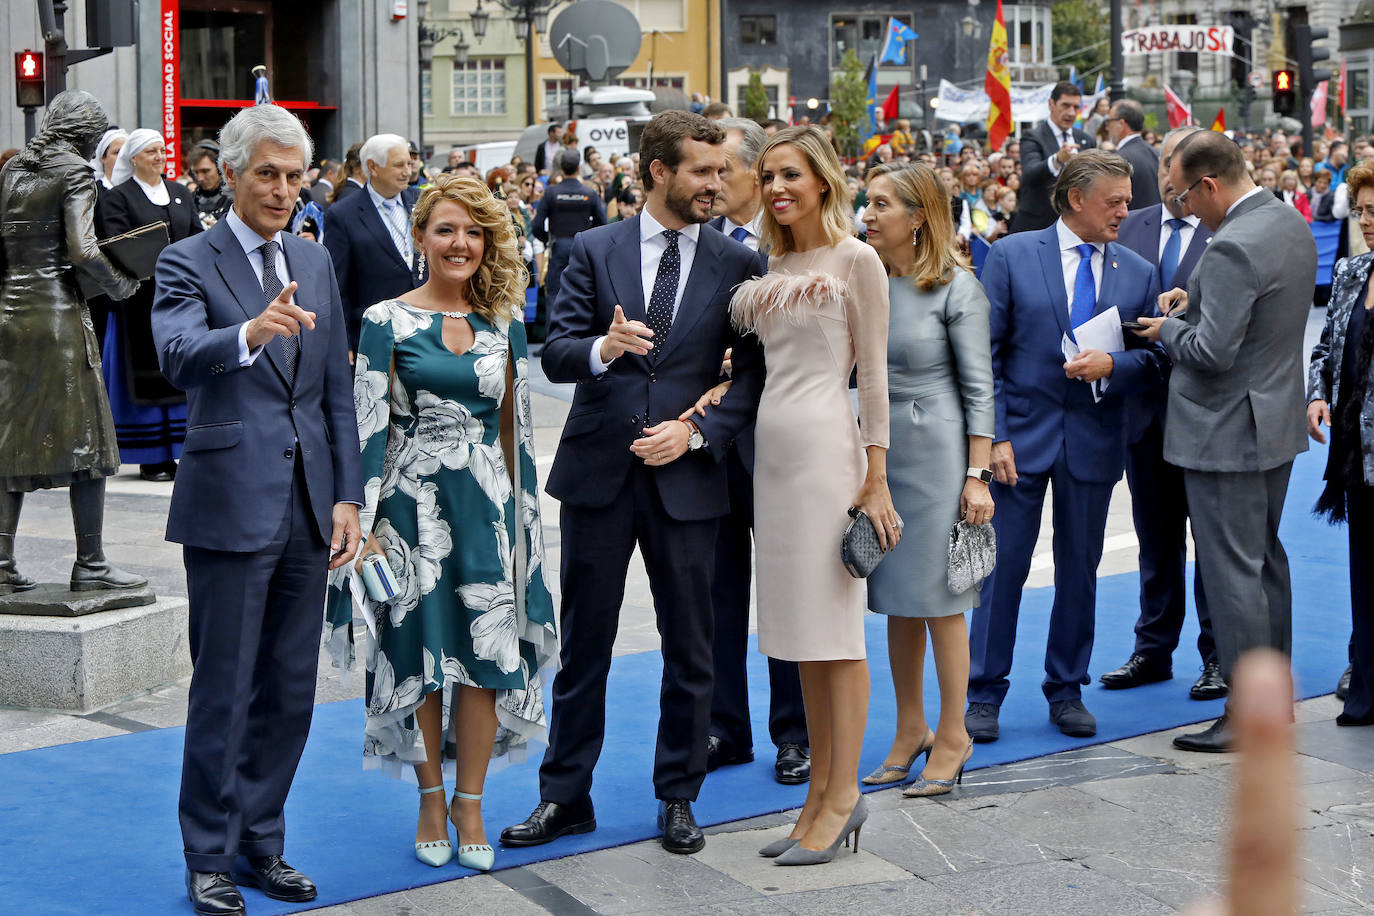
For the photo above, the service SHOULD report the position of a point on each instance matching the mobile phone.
(1132, 326)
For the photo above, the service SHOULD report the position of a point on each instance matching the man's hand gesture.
(625, 337)
(279, 319)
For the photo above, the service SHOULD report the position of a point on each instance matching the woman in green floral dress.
(453, 505)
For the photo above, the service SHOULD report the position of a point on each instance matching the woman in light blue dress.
(452, 503)
(940, 397)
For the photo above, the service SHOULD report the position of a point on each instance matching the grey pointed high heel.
(881, 777)
(924, 788)
(778, 847)
(800, 855)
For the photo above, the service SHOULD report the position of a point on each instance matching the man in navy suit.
(641, 325)
(368, 235)
(1058, 422)
(1172, 240)
(1045, 150)
(247, 321)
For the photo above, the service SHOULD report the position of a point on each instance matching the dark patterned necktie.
(665, 292)
(288, 348)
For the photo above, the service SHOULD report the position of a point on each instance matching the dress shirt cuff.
(1053, 163)
(246, 357)
(594, 360)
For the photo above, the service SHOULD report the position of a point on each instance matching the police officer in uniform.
(565, 210)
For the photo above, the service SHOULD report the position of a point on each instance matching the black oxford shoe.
(719, 754)
(276, 879)
(1073, 718)
(680, 831)
(1137, 672)
(1210, 685)
(549, 821)
(213, 894)
(1215, 739)
(1343, 685)
(794, 765)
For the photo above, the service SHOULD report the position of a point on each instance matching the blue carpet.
(91, 827)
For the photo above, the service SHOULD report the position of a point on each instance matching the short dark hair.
(1207, 152)
(663, 136)
(569, 163)
(1063, 88)
(1129, 110)
(1334, 144)
(201, 151)
(553, 127)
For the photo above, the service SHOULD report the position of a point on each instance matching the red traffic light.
(1283, 80)
(28, 79)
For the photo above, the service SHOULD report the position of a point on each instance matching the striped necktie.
(396, 225)
(288, 348)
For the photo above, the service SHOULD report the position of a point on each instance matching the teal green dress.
(459, 530)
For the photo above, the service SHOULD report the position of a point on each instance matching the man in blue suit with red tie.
(1173, 240)
(1058, 422)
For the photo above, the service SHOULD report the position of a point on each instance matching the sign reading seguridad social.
(1160, 39)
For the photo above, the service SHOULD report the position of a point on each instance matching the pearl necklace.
(459, 315)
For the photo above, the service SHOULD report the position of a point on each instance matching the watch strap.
(983, 474)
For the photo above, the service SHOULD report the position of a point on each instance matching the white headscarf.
(101, 148)
(138, 141)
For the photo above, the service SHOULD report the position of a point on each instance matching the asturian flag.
(1179, 113)
(997, 85)
(894, 46)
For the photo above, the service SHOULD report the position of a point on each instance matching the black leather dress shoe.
(719, 754)
(1073, 718)
(1210, 685)
(1343, 685)
(1215, 739)
(276, 879)
(549, 821)
(213, 894)
(981, 722)
(794, 765)
(680, 831)
(1137, 672)
(1348, 720)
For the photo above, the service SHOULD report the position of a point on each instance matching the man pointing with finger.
(641, 324)
(248, 322)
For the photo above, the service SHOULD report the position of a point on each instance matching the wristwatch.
(695, 440)
(982, 474)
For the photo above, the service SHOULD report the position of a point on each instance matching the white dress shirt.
(1065, 137)
(406, 244)
(752, 227)
(1069, 258)
(251, 242)
(1185, 235)
(652, 246)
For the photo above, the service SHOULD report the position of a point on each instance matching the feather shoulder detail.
(786, 296)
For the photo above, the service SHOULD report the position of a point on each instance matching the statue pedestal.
(82, 651)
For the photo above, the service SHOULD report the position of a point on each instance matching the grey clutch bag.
(859, 548)
(972, 555)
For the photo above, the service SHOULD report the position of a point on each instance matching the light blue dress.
(939, 390)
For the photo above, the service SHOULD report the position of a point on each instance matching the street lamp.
(531, 19)
(429, 37)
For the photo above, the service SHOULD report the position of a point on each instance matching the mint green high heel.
(435, 853)
(477, 856)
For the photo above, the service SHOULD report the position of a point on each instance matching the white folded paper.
(1100, 332)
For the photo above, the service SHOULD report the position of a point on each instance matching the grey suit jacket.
(1236, 396)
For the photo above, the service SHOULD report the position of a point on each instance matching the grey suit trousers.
(1235, 518)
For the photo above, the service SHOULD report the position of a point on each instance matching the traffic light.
(1285, 93)
(28, 79)
(1303, 36)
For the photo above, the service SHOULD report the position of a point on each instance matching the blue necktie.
(1168, 262)
(740, 234)
(1084, 291)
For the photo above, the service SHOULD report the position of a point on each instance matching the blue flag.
(870, 127)
(1073, 76)
(894, 46)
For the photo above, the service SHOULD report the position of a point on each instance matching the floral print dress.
(460, 531)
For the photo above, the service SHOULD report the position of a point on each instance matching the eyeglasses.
(1361, 212)
(1179, 200)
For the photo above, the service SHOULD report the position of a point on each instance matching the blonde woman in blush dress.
(940, 394)
(821, 309)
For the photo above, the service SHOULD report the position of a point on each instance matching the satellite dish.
(595, 39)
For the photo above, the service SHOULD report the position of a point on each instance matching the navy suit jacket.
(1038, 408)
(245, 424)
(1038, 145)
(610, 410)
(1140, 233)
(368, 266)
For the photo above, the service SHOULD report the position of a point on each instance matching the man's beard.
(680, 205)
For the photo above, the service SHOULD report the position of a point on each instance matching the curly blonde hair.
(497, 288)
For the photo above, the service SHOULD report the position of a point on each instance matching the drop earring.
(419, 262)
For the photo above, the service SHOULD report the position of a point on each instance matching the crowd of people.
(711, 296)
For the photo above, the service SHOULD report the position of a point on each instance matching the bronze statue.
(55, 425)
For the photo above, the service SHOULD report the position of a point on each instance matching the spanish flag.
(997, 84)
(1219, 125)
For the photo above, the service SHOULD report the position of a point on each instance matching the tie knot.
(1085, 251)
(671, 236)
(1177, 224)
(268, 249)
(740, 234)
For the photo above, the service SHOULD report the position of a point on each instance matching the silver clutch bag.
(859, 548)
(972, 555)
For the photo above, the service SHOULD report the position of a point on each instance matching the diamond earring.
(420, 262)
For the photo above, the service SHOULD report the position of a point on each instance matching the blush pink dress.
(818, 312)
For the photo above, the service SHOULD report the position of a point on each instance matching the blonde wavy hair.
(837, 220)
(918, 187)
(497, 288)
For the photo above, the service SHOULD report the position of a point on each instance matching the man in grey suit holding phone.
(1236, 396)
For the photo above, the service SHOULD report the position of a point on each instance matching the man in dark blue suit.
(368, 234)
(1172, 240)
(247, 321)
(1058, 422)
(641, 325)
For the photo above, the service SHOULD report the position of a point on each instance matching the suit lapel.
(1201, 236)
(307, 284)
(1107, 288)
(237, 273)
(622, 265)
(702, 284)
(1053, 270)
(373, 221)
